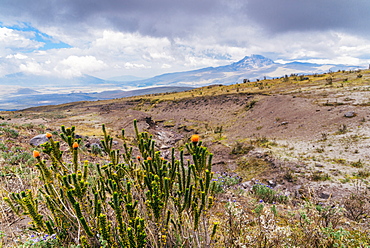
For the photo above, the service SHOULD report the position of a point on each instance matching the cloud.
(168, 18)
(155, 18)
(75, 66)
(13, 40)
(33, 68)
(314, 15)
(17, 56)
(131, 66)
(146, 38)
(166, 66)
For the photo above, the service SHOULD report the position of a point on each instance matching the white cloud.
(166, 66)
(17, 56)
(75, 66)
(17, 40)
(33, 67)
(131, 65)
(146, 38)
(109, 53)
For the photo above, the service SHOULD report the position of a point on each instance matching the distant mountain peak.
(26, 91)
(253, 61)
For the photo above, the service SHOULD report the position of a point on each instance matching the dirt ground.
(298, 140)
(308, 129)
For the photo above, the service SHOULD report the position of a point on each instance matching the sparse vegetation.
(137, 203)
(241, 148)
(250, 105)
(342, 129)
(273, 185)
(267, 194)
(320, 176)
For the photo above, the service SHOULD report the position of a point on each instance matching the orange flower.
(195, 138)
(149, 158)
(138, 157)
(48, 135)
(36, 154)
(75, 145)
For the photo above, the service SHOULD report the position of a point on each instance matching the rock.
(247, 185)
(271, 183)
(39, 140)
(324, 195)
(297, 191)
(350, 114)
(150, 122)
(283, 123)
(164, 147)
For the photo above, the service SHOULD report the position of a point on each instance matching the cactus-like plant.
(129, 201)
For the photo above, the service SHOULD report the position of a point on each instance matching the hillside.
(294, 114)
(49, 90)
(305, 136)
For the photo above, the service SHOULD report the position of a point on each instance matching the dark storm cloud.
(307, 15)
(156, 18)
(180, 18)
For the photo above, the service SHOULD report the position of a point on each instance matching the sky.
(144, 38)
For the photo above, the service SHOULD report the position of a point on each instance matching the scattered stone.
(284, 123)
(247, 185)
(164, 147)
(38, 140)
(150, 122)
(350, 114)
(324, 195)
(271, 183)
(297, 191)
(188, 129)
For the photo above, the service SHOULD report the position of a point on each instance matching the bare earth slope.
(296, 125)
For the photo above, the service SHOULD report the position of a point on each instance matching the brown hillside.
(306, 138)
(286, 120)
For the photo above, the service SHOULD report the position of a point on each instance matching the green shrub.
(267, 194)
(130, 201)
(320, 176)
(9, 132)
(241, 148)
(17, 157)
(223, 182)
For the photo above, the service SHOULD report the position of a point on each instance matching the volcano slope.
(304, 136)
(290, 119)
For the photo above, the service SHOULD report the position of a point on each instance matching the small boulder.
(324, 195)
(271, 183)
(39, 140)
(247, 185)
(350, 114)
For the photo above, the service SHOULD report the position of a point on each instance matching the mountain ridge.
(87, 87)
(251, 67)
